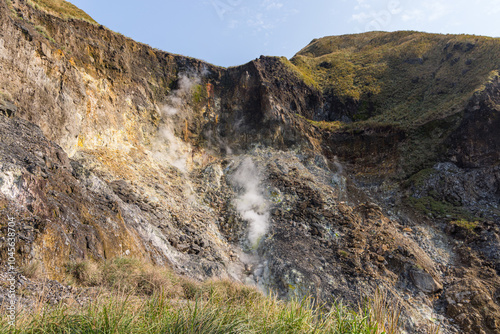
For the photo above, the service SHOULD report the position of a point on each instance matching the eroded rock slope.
(111, 148)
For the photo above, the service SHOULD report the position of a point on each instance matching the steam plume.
(252, 204)
(174, 113)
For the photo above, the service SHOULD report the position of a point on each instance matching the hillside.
(365, 163)
(415, 83)
(62, 9)
(403, 78)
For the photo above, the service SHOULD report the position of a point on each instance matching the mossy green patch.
(438, 208)
(465, 224)
(324, 125)
(419, 178)
(329, 126)
(343, 253)
(199, 93)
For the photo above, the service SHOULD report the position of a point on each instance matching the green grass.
(466, 225)
(173, 304)
(13, 11)
(304, 76)
(439, 208)
(158, 314)
(419, 178)
(62, 9)
(44, 32)
(343, 253)
(328, 126)
(199, 93)
(405, 78)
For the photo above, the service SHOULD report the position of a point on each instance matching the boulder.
(425, 282)
(7, 108)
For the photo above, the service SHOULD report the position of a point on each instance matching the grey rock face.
(425, 282)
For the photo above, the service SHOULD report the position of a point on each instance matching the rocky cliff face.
(110, 148)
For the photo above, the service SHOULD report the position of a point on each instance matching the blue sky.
(233, 32)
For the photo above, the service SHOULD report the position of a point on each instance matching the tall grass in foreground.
(210, 307)
(158, 314)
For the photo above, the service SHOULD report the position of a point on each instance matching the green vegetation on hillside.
(329, 126)
(438, 208)
(137, 298)
(44, 33)
(405, 78)
(199, 93)
(466, 225)
(62, 9)
(308, 80)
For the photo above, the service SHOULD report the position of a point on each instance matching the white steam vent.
(168, 148)
(251, 204)
(177, 97)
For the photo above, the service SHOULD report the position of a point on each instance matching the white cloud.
(436, 10)
(412, 15)
(384, 14)
(493, 7)
(361, 17)
(272, 5)
(426, 11)
(263, 15)
(260, 23)
(362, 5)
(233, 24)
(376, 14)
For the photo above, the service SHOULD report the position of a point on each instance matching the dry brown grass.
(126, 274)
(32, 270)
(385, 312)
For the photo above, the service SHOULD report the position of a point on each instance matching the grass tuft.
(465, 224)
(45, 34)
(32, 270)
